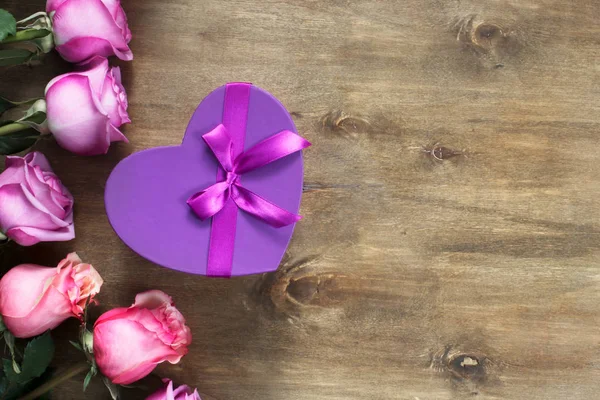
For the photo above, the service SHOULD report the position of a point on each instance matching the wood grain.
(451, 244)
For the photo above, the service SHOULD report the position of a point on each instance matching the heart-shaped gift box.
(147, 194)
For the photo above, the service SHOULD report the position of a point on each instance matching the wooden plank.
(450, 242)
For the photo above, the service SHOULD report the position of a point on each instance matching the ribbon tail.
(208, 202)
(261, 208)
(220, 143)
(271, 149)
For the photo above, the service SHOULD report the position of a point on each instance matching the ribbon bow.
(210, 201)
(222, 200)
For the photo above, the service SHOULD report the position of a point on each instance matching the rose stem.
(12, 128)
(27, 34)
(57, 380)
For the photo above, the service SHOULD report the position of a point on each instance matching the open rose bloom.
(87, 28)
(34, 205)
(86, 108)
(183, 392)
(34, 299)
(130, 342)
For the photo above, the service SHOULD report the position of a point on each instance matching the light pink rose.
(86, 108)
(34, 299)
(183, 392)
(87, 28)
(130, 342)
(34, 204)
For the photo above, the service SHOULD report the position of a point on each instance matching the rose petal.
(19, 209)
(52, 5)
(115, 135)
(88, 282)
(152, 299)
(27, 236)
(163, 394)
(28, 171)
(14, 172)
(37, 159)
(51, 311)
(76, 118)
(17, 285)
(135, 374)
(111, 102)
(36, 184)
(125, 351)
(82, 48)
(110, 315)
(33, 299)
(95, 69)
(91, 18)
(121, 20)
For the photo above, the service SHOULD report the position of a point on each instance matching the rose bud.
(34, 204)
(130, 342)
(86, 108)
(87, 28)
(183, 392)
(34, 299)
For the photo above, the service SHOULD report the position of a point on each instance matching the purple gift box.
(223, 203)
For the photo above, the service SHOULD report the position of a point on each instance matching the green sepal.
(22, 138)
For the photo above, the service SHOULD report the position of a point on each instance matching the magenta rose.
(34, 299)
(34, 205)
(87, 28)
(183, 392)
(130, 342)
(86, 108)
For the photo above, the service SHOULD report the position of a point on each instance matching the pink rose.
(34, 204)
(87, 28)
(183, 392)
(130, 342)
(34, 299)
(86, 108)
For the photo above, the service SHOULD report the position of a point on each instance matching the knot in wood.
(467, 366)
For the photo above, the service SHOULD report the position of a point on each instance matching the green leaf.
(35, 119)
(6, 104)
(2, 326)
(10, 57)
(3, 385)
(76, 345)
(8, 24)
(14, 142)
(88, 379)
(9, 339)
(112, 388)
(13, 390)
(7, 367)
(37, 356)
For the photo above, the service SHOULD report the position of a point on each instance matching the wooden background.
(451, 245)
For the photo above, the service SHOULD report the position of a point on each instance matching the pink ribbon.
(222, 200)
